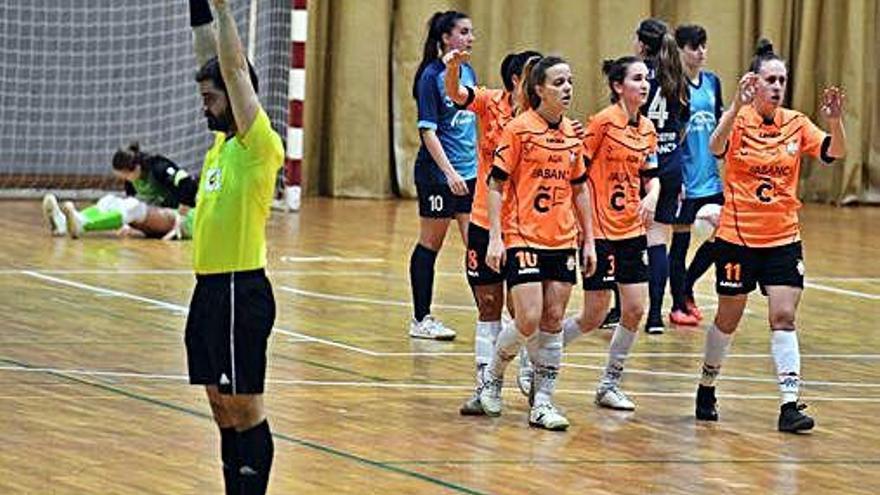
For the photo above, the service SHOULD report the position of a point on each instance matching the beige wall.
(361, 137)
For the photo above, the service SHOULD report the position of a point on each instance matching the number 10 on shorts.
(436, 202)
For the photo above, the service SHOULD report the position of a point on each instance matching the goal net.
(81, 78)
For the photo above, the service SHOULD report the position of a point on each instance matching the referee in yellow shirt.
(232, 309)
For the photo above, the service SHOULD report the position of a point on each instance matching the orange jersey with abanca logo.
(762, 165)
(617, 152)
(542, 163)
(493, 110)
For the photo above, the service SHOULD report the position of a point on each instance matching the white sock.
(621, 343)
(787, 356)
(571, 330)
(506, 347)
(714, 352)
(547, 362)
(484, 340)
(484, 344)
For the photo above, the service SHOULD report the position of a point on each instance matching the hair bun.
(608, 66)
(134, 147)
(764, 48)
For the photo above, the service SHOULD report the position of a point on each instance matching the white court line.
(836, 290)
(333, 259)
(843, 279)
(322, 273)
(403, 386)
(183, 309)
(366, 300)
(657, 355)
(304, 337)
(695, 375)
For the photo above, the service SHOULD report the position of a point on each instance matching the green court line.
(281, 436)
(328, 367)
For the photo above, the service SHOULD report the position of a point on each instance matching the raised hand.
(578, 128)
(456, 57)
(746, 88)
(833, 102)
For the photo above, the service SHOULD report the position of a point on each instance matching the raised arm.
(234, 69)
(745, 92)
(833, 101)
(454, 90)
(204, 38)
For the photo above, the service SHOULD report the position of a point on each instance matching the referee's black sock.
(229, 455)
(255, 450)
(421, 277)
(677, 254)
(199, 13)
(703, 260)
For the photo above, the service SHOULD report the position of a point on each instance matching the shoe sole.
(655, 330)
(606, 406)
(50, 205)
(805, 425)
(548, 428)
(442, 338)
(466, 411)
(684, 323)
(706, 417)
(491, 414)
(70, 216)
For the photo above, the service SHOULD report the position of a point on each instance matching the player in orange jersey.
(494, 109)
(759, 236)
(540, 159)
(621, 150)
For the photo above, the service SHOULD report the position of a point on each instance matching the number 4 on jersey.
(657, 110)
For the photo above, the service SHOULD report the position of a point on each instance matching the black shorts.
(526, 265)
(437, 200)
(669, 201)
(478, 272)
(619, 262)
(739, 268)
(690, 206)
(240, 304)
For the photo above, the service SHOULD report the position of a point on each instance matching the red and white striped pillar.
(299, 27)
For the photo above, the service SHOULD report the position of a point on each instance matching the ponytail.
(440, 23)
(522, 104)
(670, 72)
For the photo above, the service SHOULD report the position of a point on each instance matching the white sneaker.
(526, 372)
(613, 398)
(74, 224)
(430, 328)
(53, 216)
(490, 395)
(548, 417)
(293, 197)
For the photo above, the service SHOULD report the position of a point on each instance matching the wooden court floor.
(94, 398)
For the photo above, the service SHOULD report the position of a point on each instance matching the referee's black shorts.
(230, 318)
